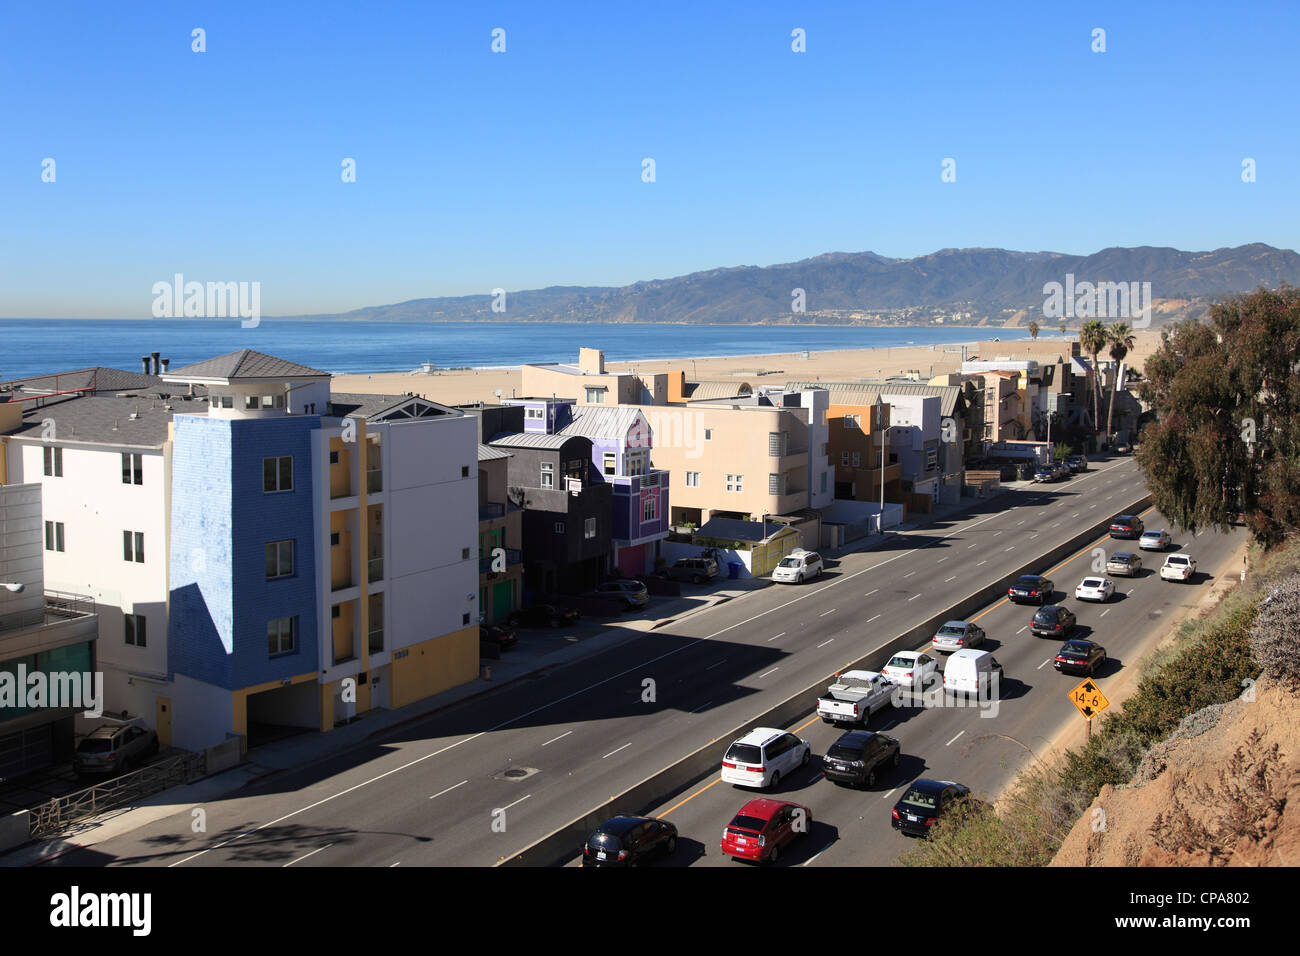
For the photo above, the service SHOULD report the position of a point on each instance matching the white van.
(967, 670)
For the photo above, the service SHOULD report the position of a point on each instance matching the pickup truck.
(1178, 567)
(855, 696)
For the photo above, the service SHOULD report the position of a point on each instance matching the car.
(763, 756)
(493, 639)
(923, 803)
(1155, 541)
(695, 570)
(970, 671)
(1053, 621)
(1080, 657)
(1095, 589)
(113, 748)
(763, 828)
(629, 841)
(859, 757)
(911, 669)
(632, 594)
(1077, 463)
(798, 566)
(1045, 474)
(854, 696)
(1178, 567)
(543, 615)
(1031, 589)
(1125, 563)
(955, 635)
(1062, 469)
(1123, 448)
(1127, 526)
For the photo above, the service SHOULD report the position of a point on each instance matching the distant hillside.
(869, 289)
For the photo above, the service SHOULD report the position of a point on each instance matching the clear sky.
(523, 169)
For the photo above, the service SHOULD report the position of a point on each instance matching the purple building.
(544, 415)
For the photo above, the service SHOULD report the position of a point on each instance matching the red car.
(763, 827)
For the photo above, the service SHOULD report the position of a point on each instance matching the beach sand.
(462, 386)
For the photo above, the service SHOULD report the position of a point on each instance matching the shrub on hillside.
(1275, 638)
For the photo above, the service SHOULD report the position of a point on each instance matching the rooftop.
(108, 420)
(488, 453)
(529, 440)
(243, 365)
(603, 421)
(97, 379)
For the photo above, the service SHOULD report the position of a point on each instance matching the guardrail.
(562, 845)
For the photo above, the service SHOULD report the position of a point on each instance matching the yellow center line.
(690, 798)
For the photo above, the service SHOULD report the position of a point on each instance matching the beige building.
(589, 383)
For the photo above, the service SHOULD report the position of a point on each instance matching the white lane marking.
(890, 794)
(943, 559)
(771, 639)
(629, 743)
(561, 737)
(824, 613)
(819, 853)
(985, 561)
(312, 853)
(398, 863)
(968, 547)
(871, 592)
(509, 805)
(950, 743)
(1044, 664)
(1057, 525)
(1012, 548)
(1090, 507)
(772, 671)
(996, 533)
(461, 784)
(872, 618)
(1019, 523)
(914, 597)
(1075, 515)
(908, 574)
(1023, 629)
(1105, 612)
(719, 664)
(1033, 536)
(824, 643)
(953, 578)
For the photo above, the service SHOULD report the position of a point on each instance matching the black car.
(629, 841)
(859, 757)
(1127, 526)
(1030, 589)
(493, 639)
(924, 802)
(1053, 621)
(1077, 463)
(543, 615)
(1080, 657)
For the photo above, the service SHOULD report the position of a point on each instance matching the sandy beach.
(489, 385)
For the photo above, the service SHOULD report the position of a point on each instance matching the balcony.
(491, 509)
(374, 480)
(59, 606)
(375, 568)
(376, 640)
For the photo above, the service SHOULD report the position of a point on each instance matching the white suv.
(798, 566)
(763, 756)
(1178, 567)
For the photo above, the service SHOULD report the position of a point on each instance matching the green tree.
(1093, 338)
(1033, 331)
(1121, 341)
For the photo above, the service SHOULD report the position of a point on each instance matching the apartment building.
(589, 383)
(915, 441)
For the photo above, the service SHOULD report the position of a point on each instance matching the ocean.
(38, 346)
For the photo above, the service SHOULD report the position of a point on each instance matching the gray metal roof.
(243, 364)
(529, 440)
(869, 389)
(488, 453)
(106, 420)
(603, 421)
(100, 378)
(707, 391)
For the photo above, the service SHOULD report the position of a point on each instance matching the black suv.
(859, 757)
(1127, 526)
(493, 639)
(924, 802)
(1080, 657)
(1030, 589)
(1052, 621)
(629, 841)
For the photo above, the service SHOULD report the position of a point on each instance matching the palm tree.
(1093, 338)
(1033, 331)
(1062, 330)
(1121, 340)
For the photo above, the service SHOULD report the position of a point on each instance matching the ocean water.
(37, 346)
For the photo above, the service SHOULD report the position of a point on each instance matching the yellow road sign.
(1089, 699)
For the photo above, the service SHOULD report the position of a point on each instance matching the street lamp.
(884, 437)
(15, 587)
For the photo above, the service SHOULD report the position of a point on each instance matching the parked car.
(1127, 526)
(1077, 463)
(543, 615)
(1178, 567)
(798, 566)
(969, 670)
(1125, 563)
(855, 696)
(695, 570)
(1031, 589)
(911, 669)
(1095, 589)
(956, 635)
(1155, 541)
(632, 594)
(763, 828)
(1123, 448)
(493, 639)
(1062, 469)
(629, 841)
(1080, 657)
(1053, 621)
(859, 757)
(924, 803)
(1045, 474)
(763, 756)
(113, 749)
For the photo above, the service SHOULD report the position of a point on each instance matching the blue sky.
(477, 170)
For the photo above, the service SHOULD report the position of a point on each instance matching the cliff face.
(1223, 790)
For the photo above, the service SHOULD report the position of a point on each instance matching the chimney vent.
(144, 360)
(166, 362)
(155, 361)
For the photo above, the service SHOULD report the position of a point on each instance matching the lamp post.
(884, 437)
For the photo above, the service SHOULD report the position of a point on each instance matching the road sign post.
(1089, 701)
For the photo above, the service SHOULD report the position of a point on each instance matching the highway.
(476, 783)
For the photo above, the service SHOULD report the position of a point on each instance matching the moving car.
(1178, 567)
(1127, 526)
(763, 756)
(924, 803)
(1080, 657)
(1155, 541)
(968, 671)
(632, 593)
(956, 635)
(1031, 589)
(855, 696)
(493, 639)
(763, 828)
(695, 570)
(1125, 563)
(859, 757)
(543, 615)
(911, 669)
(798, 566)
(629, 841)
(1095, 589)
(113, 748)
(1052, 621)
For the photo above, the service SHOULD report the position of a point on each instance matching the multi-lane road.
(478, 782)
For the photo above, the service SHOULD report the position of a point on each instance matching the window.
(279, 559)
(133, 546)
(335, 537)
(268, 401)
(577, 468)
(227, 401)
(692, 479)
(635, 463)
(336, 612)
(589, 528)
(595, 395)
(708, 434)
(844, 458)
(823, 483)
(857, 459)
(611, 463)
(279, 401)
(54, 536)
(132, 469)
(735, 482)
(53, 461)
(535, 413)
(250, 401)
(464, 471)
(464, 554)
(277, 474)
(776, 484)
(334, 458)
(135, 629)
(548, 474)
(650, 508)
(776, 444)
(852, 421)
(559, 527)
(931, 459)
(281, 635)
